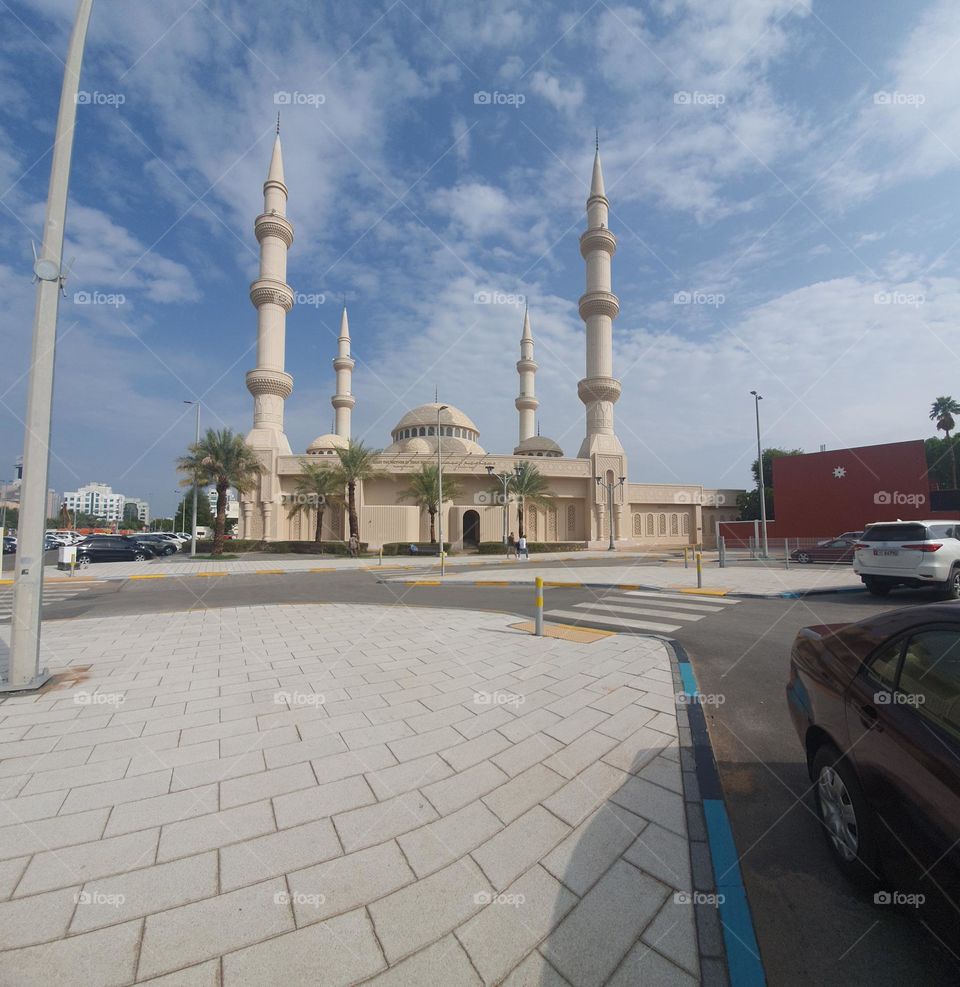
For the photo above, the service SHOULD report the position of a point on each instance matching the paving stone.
(117, 792)
(463, 788)
(209, 772)
(134, 747)
(277, 853)
(202, 975)
(616, 700)
(355, 879)
(580, 796)
(674, 934)
(369, 736)
(265, 784)
(513, 923)
(571, 727)
(592, 940)
(444, 964)
(472, 752)
(591, 849)
(76, 864)
(174, 757)
(519, 846)
(337, 766)
(638, 750)
(664, 772)
(523, 792)
(440, 843)
(527, 725)
(217, 829)
(321, 801)
(408, 775)
(411, 918)
(88, 774)
(39, 918)
(131, 816)
(209, 928)
(372, 824)
(425, 743)
(629, 719)
(652, 802)
(340, 951)
(535, 971)
(528, 752)
(643, 965)
(107, 958)
(305, 750)
(30, 807)
(485, 720)
(110, 900)
(10, 873)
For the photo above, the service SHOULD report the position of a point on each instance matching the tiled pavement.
(344, 794)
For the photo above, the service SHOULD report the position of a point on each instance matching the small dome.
(327, 445)
(417, 446)
(416, 432)
(538, 445)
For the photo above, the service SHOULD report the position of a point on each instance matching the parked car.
(909, 553)
(838, 550)
(113, 548)
(850, 535)
(9, 543)
(876, 705)
(162, 546)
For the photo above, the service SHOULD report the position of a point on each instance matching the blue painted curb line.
(744, 966)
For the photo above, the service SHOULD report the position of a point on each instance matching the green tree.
(942, 411)
(749, 501)
(224, 459)
(528, 485)
(424, 490)
(184, 512)
(357, 463)
(317, 485)
(10, 518)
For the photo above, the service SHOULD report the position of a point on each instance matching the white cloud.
(567, 100)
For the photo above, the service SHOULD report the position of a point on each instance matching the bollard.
(381, 556)
(538, 630)
(786, 553)
(699, 571)
(686, 564)
(723, 552)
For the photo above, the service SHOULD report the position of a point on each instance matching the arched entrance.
(471, 528)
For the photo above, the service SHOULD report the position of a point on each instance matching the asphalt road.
(812, 926)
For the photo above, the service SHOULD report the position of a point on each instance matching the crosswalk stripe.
(613, 621)
(641, 611)
(715, 601)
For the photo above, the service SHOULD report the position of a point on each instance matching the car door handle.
(869, 717)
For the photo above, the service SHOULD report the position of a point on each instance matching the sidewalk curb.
(709, 826)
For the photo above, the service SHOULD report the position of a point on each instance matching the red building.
(820, 494)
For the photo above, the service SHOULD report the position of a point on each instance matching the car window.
(941, 531)
(930, 676)
(895, 532)
(839, 543)
(883, 665)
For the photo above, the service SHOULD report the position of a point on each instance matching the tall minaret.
(272, 297)
(526, 402)
(343, 401)
(599, 389)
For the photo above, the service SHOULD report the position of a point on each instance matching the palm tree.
(423, 490)
(357, 463)
(942, 411)
(528, 484)
(225, 460)
(317, 484)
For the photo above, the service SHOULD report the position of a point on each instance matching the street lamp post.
(610, 486)
(504, 479)
(443, 407)
(24, 672)
(193, 533)
(762, 490)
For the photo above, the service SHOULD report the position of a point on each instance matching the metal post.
(381, 556)
(762, 486)
(723, 552)
(24, 672)
(686, 564)
(193, 539)
(699, 571)
(786, 553)
(539, 612)
(442, 407)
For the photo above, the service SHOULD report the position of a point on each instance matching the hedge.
(236, 545)
(403, 547)
(541, 547)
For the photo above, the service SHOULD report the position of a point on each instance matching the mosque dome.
(416, 432)
(326, 445)
(538, 445)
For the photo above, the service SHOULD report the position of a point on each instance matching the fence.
(779, 550)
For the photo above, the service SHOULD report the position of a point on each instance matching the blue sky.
(790, 168)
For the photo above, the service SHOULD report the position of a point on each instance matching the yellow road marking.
(566, 632)
(701, 592)
(570, 585)
(426, 582)
(269, 572)
(153, 575)
(491, 582)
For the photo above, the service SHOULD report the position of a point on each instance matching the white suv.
(909, 553)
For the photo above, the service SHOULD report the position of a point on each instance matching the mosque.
(581, 508)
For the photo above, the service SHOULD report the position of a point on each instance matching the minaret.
(343, 401)
(526, 402)
(599, 389)
(272, 297)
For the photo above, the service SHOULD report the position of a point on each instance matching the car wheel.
(803, 557)
(846, 818)
(875, 588)
(140, 557)
(84, 561)
(952, 587)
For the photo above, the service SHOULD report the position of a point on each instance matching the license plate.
(885, 551)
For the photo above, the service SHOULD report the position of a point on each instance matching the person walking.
(354, 547)
(522, 551)
(511, 547)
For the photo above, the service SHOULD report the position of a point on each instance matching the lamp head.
(599, 481)
(489, 471)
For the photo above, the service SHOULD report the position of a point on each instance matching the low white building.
(100, 501)
(233, 505)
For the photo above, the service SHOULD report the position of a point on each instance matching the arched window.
(638, 524)
(661, 524)
(674, 524)
(649, 525)
(423, 431)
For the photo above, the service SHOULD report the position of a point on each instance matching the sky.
(783, 186)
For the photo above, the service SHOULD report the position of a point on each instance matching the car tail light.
(861, 544)
(924, 546)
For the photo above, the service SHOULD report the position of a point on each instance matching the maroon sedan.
(877, 707)
(838, 550)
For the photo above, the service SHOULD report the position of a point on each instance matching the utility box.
(67, 557)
